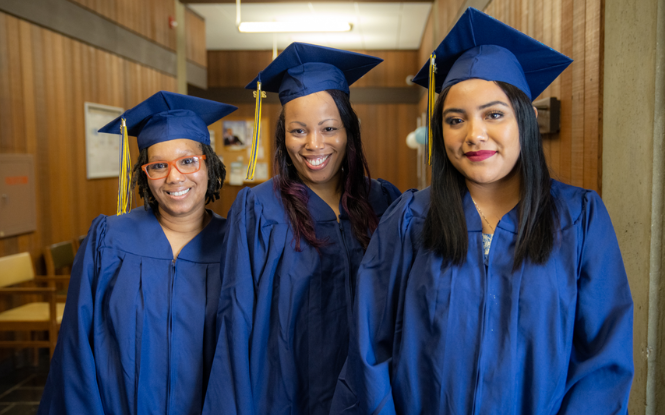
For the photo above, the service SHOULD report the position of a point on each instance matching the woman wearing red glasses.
(138, 334)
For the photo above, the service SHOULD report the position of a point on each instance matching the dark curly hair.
(216, 176)
(355, 181)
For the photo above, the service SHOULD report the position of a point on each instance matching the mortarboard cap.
(168, 116)
(479, 46)
(303, 69)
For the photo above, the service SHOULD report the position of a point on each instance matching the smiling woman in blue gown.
(138, 333)
(294, 244)
(496, 290)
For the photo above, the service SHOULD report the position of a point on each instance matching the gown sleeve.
(71, 387)
(601, 362)
(230, 389)
(364, 386)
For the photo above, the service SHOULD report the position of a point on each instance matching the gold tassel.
(251, 167)
(125, 176)
(431, 91)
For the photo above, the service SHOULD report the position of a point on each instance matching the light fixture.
(292, 27)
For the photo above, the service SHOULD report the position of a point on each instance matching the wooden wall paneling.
(384, 129)
(563, 169)
(578, 116)
(592, 93)
(6, 141)
(555, 88)
(392, 72)
(148, 18)
(565, 156)
(235, 68)
(15, 76)
(238, 68)
(196, 38)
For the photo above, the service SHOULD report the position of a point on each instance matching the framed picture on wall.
(102, 150)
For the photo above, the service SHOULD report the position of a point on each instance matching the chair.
(16, 272)
(78, 242)
(59, 259)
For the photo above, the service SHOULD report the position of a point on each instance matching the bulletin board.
(102, 150)
(18, 211)
(233, 143)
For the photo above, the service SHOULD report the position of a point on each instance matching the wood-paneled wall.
(384, 126)
(195, 28)
(45, 79)
(149, 18)
(235, 68)
(573, 27)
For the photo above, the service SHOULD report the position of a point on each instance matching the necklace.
(482, 216)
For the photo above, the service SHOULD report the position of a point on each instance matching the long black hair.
(355, 191)
(445, 231)
(216, 176)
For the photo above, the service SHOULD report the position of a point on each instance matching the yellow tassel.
(431, 91)
(251, 167)
(125, 176)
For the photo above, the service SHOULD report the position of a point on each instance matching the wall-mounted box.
(549, 115)
(18, 212)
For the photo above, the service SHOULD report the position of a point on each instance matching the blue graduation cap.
(163, 117)
(481, 47)
(303, 69)
(168, 116)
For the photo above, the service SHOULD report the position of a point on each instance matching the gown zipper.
(170, 338)
(348, 289)
(485, 273)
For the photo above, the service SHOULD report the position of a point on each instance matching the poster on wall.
(237, 134)
(102, 150)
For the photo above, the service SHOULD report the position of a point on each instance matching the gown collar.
(474, 223)
(140, 233)
(321, 212)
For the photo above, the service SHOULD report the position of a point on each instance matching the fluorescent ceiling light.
(291, 27)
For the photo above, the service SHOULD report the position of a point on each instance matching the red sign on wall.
(16, 180)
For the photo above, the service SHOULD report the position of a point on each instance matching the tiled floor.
(21, 389)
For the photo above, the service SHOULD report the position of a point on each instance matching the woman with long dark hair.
(138, 331)
(497, 290)
(294, 244)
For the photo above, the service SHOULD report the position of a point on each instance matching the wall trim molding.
(79, 23)
(197, 75)
(239, 95)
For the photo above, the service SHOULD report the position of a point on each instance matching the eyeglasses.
(161, 169)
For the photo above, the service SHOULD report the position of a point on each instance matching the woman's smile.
(178, 194)
(316, 162)
(479, 155)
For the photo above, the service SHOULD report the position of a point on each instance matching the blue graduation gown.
(283, 315)
(138, 333)
(433, 338)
